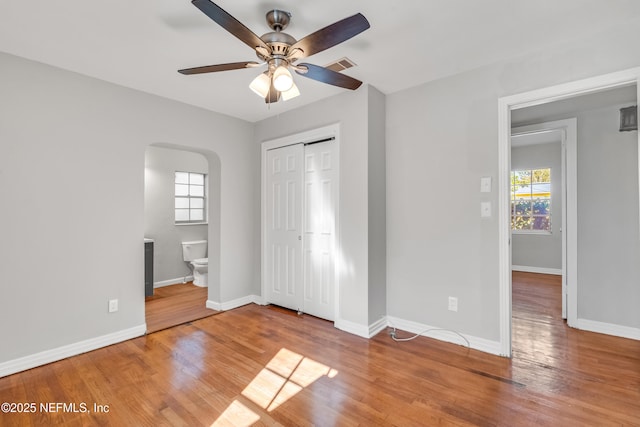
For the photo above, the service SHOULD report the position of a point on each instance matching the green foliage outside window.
(531, 200)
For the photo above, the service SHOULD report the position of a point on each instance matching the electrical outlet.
(113, 305)
(453, 304)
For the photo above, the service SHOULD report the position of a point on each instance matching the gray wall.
(72, 154)
(442, 137)
(159, 217)
(608, 235)
(377, 189)
(540, 250)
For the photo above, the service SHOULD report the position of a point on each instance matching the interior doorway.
(174, 298)
(546, 148)
(508, 107)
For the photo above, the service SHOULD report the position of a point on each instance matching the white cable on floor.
(394, 336)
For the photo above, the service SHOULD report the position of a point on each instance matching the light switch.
(485, 209)
(485, 184)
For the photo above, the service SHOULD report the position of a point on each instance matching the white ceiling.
(140, 44)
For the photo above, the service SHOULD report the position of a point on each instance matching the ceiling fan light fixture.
(282, 79)
(280, 51)
(260, 85)
(291, 93)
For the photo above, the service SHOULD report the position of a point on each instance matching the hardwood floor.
(264, 366)
(176, 304)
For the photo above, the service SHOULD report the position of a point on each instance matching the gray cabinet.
(148, 268)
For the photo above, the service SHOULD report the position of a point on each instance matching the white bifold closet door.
(301, 206)
(284, 226)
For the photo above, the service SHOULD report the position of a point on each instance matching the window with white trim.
(531, 200)
(190, 198)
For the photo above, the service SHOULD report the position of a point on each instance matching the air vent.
(629, 118)
(341, 64)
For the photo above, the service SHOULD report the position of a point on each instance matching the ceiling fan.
(280, 51)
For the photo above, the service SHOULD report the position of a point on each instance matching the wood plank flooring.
(264, 366)
(176, 304)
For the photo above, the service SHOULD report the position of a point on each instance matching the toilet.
(195, 253)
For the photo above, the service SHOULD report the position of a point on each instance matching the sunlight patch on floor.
(286, 375)
(236, 415)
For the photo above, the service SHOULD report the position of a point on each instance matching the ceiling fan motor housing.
(277, 41)
(278, 19)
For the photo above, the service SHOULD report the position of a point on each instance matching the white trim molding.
(214, 305)
(376, 327)
(352, 328)
(230, 305)
(481, 344)
(59, 353)
(541, 270)
(176, 281)
(363, 331)
(608, 328)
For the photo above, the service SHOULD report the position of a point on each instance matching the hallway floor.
(176, 304)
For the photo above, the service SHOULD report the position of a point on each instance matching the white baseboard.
(481, 344)
(170, 282)
(364, 331)
(541, 270)
(53, 355)
(378, 326)
(352, 328)
(607, 328)
(213, 305)
(260, 300)
(230, 305)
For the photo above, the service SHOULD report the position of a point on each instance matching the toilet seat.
(200, 261)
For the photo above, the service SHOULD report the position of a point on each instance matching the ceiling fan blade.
(219, 67)
(229, 23)
(328, 76)
(331, 35)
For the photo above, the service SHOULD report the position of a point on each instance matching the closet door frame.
(314, 135)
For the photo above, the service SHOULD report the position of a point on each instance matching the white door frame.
(329, 131)
(568, 130)
(523, 100)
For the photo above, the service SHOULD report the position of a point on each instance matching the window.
(531, 200)
(190, 198)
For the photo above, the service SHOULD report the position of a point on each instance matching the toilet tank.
(194, 250)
